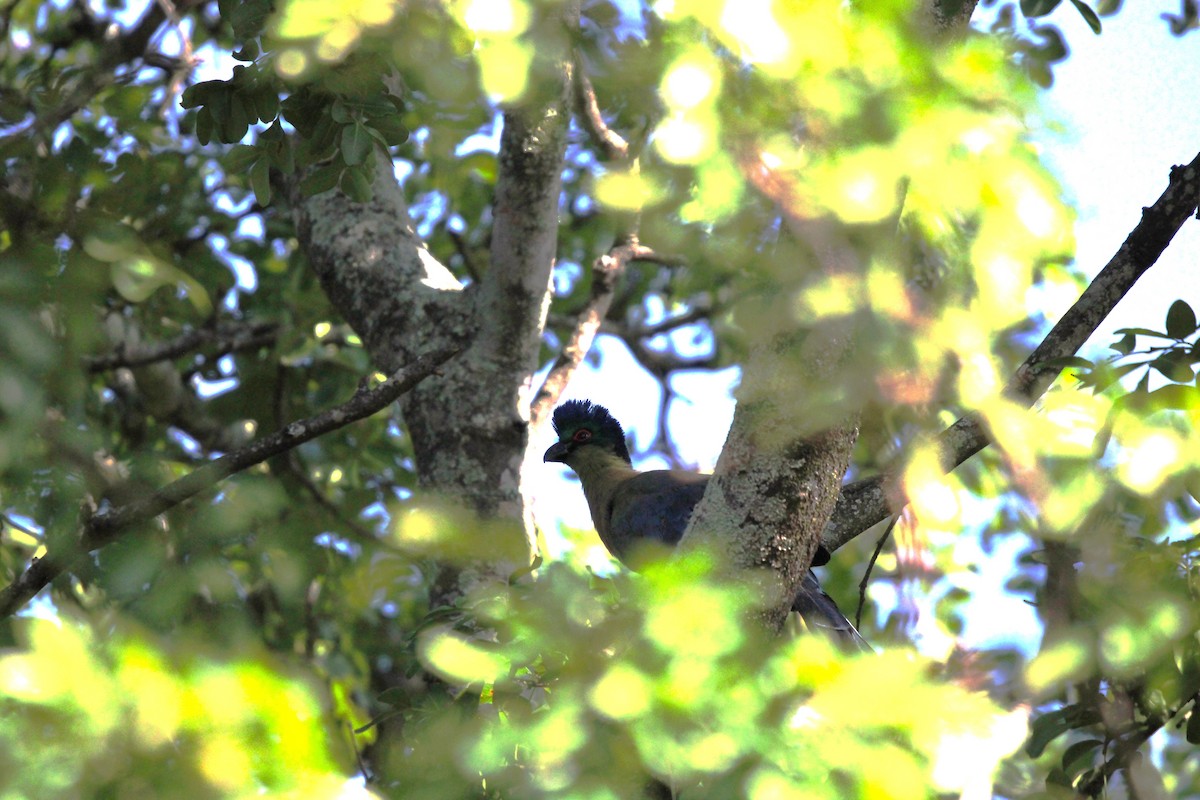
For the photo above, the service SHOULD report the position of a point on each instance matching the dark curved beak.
(557, 452)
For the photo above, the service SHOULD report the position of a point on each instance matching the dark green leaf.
(324, 179)
(266, 104)
(1173, 368)
(248, 18)
(1078, 756)
(249, 51)
(356, 144)
(234, 127)
(1107, 377)
(204, 125)
(1045, 729)
(260, 181)
(391, 127)
(1038, 8)
(1181, 320)
(240, 158)
(1088, 14)
(1144, 332)
(340, 114)
(395, 696)
(201, 93)
(1126, 344)
(356, 185)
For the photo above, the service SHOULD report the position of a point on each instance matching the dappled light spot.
(1060, 662)
(690, 82)
(683, 140)
(1148, 458)
(753, 25)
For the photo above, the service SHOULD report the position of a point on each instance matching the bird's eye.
(582, 435)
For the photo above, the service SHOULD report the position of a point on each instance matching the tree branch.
(587, 109)
(867, 502)
(103, 528)
(229, 337)
(605, 271)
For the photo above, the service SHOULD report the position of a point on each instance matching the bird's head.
(584, 426)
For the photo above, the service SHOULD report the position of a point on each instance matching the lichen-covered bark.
(468, 424)
(378, 274)
(775, 484)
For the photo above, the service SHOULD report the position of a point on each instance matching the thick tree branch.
(867, 502)
(103, 528)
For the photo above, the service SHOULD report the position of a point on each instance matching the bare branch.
(866, 502)
(229, 337)
(696, 313)
(464, 252)
(605, 270)
(587, 109)
(103, 528)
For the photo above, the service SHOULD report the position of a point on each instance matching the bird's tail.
(819, 612)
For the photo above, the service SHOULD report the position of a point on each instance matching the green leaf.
(1193, 725)
(1173, 369)
(1181, 320)
(240, 158)
(1143, 332)
(1107, 377)
(248, 52)
(282, 157)
(395, 696)
(204, 126)
(1088, 14)
(248, 18)
(1045, 729)
(392, 128)
(1175, 395)
(1078, 756)
(340, 114)
(324, 179)
(201, 94)
(234, 127)
(356, 185)
(111, 242)
(1126, 344)
(1038, 8)
(137, 277)
(260, 181)
(356, 144)
(266, 104)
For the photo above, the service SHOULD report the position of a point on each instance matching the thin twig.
(229, 337)
(296, 469)
(862, 585)
(104, 528)
(460, 244)
(611, 143)
(5, 519)
(362, 767)
(605, 271)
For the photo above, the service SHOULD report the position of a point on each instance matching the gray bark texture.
(469, 426)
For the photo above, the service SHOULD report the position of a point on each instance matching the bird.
(631, 508)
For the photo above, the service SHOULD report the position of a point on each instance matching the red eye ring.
(582, 435)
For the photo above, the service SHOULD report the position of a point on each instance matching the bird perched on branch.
(630, 507)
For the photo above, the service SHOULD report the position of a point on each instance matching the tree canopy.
(290, 289)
